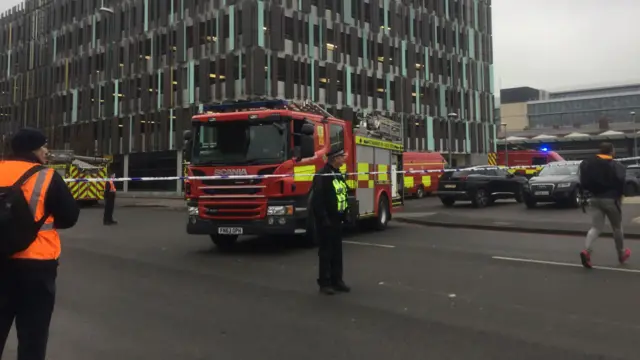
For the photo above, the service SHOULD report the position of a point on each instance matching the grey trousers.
(612, 210)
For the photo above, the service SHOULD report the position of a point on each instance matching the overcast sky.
(558, 44)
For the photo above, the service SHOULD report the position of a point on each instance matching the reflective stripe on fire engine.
(304, 173)
(363, 171)
(378, 143)
(408, 181)
(525, 171)
(382, 168)
(350, 182)
(492, 158)
(426, 181)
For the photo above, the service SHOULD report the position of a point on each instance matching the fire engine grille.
(233, 191)
(233, 210)
(232, 182)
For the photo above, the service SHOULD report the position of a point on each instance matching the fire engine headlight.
(193, 211)
(564, 185)
(279, 210)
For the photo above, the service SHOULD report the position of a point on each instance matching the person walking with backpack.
(34, 202)
(603, 178)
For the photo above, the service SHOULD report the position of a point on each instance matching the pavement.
(146, 290)
(507, 215)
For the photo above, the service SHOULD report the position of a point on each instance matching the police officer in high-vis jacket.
(329, 208)
(28, 278)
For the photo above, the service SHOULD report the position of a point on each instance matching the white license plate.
(230, 231)
(450, 186)
(541, 193)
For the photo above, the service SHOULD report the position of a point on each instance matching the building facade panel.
(132, 75)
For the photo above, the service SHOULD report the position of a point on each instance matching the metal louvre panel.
(366, 196)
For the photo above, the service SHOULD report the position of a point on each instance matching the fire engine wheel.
(224, 242)
(384, 213)
(420, 192)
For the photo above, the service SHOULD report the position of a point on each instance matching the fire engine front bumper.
(199, 226)
(280, 219)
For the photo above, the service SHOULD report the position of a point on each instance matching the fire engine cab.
(265, 154)
(532, 161)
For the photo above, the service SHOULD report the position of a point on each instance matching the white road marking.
(531, 261)
(369, 244)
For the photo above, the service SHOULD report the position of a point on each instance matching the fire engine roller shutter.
(365, 156)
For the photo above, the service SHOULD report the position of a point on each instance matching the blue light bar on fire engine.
(246, 105)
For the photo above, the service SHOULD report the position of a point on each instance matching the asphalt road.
(145, 290)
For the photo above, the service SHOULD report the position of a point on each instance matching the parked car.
(482, 185)
(632, 182)
(558, 182)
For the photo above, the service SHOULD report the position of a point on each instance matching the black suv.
(558, 182)
(481, 185)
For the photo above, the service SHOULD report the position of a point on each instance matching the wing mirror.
(187, 135)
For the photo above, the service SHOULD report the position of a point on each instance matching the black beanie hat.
(27, 140)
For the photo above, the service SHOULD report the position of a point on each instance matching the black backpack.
(593, 178)
(18, 229)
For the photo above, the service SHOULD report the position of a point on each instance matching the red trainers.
(625, 256)
(585, 257)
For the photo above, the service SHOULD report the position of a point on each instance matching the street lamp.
(450, 117)
(506, 148)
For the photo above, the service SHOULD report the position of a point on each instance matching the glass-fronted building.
(583, 111)
(123, 77)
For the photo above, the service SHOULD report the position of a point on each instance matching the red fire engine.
(266, 153)
(519, 157)
(420, 184)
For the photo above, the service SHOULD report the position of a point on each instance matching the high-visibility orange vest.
(112, 186)
(46, 246)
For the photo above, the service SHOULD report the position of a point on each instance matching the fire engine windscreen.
(240, 143)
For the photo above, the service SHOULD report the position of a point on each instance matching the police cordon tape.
(306, 175)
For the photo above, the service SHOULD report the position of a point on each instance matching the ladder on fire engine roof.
(306, 106)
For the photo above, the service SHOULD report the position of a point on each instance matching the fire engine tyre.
(420, 192)
(480, 198)
(384, 213)
(224, 242)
